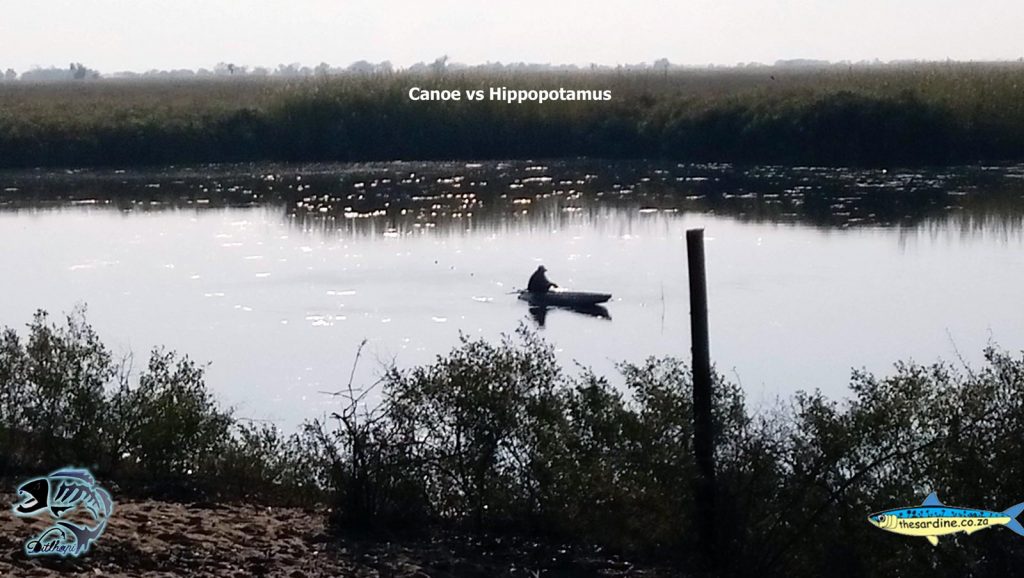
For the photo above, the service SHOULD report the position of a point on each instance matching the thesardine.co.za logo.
(933, 519)
(59, 495)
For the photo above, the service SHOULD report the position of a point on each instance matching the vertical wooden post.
(703, 432)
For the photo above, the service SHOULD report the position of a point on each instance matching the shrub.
(169, 424)
(63, 400)
(53, 390)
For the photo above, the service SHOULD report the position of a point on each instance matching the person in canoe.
(539, 283)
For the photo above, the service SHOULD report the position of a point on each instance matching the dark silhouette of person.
(539, 282)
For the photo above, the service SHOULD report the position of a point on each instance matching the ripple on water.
(326, 320)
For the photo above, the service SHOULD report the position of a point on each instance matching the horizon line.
(444, 64)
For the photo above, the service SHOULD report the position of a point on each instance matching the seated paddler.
(539, 282)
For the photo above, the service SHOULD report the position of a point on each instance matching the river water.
(275, 274)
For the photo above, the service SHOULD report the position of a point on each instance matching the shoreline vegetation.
(856, 115)
(495, 443)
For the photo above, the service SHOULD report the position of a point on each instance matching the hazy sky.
(113, 35)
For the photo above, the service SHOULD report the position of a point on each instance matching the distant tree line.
(77, 71)
(74, 71)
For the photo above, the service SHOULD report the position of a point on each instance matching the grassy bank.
(496, 440)
(884, 115)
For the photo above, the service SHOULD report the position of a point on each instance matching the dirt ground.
(156, 538)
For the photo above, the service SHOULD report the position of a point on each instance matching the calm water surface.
(274, 275)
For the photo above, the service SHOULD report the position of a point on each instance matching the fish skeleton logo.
(933, 519)
(60, 494)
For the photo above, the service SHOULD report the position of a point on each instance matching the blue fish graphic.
(933, 519)
(60, 493)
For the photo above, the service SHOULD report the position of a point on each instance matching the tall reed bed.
(857, 115)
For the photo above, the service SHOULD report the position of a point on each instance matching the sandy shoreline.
(156, 538)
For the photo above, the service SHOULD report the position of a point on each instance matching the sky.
(140, 35)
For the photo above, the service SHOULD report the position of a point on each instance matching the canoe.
(558, 298)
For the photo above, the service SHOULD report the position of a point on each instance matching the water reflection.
(278, 285)
(400, 199)
(540, 314)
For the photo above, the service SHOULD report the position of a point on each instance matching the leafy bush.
(53, 390)
(63, 400)
(169, 423)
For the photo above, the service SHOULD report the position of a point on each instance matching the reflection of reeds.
(996, 213)
(934, 113)
(395, 200)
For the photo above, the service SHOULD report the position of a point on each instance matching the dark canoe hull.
(564, 298)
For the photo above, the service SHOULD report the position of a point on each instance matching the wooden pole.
(703, 432)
